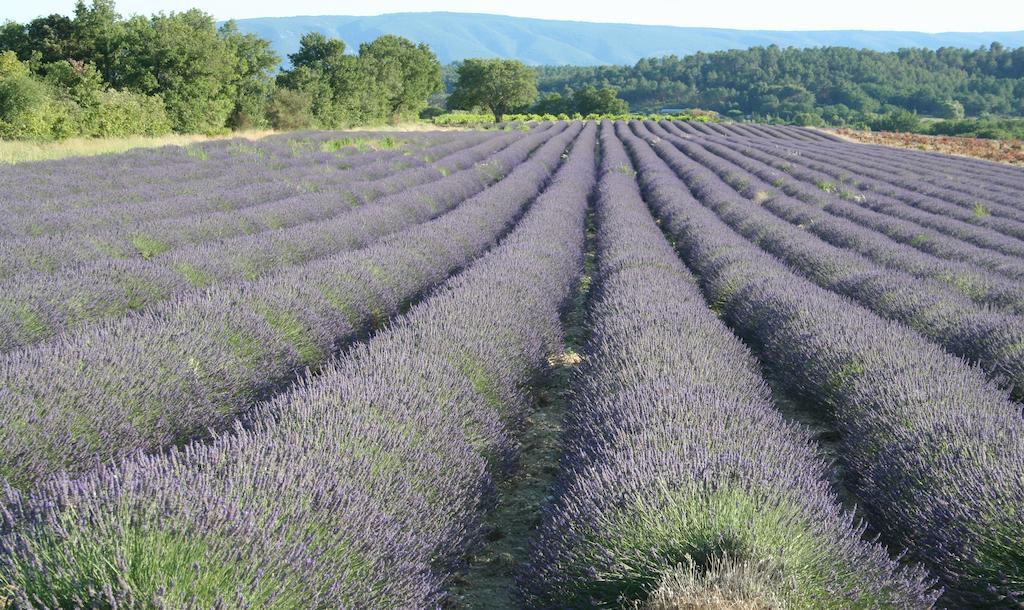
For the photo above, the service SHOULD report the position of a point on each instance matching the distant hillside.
(455, 36)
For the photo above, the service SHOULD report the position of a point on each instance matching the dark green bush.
(290, 109)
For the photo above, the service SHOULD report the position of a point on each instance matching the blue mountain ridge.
(456, 36)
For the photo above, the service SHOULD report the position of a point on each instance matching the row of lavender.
(167, 375)
(126, 233)
(935, 451)
(963, 174)
(973, 219)
(158, 174)
(37, 306)
(364, 487)
(983, 275)
(962, 181)
(941, 313)
(838, 178)
(960, 190)
(261, 199)
(246, 183)
(675, 453)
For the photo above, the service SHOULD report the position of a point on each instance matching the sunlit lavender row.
(166, 375)
(665, 466)
(364, 486)
(933, 450)
(39, 305)
(307, 203)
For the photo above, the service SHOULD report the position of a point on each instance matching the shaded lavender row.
(964, 219)
(812, 212)
(960, 180)
(36, 307)
(983, 175)
(974, 177)
(772, 169)
(951, 193)
(176, 236)
(244, 189)
(945, 316)
(934, 450)
(161, 378)
(674, 450)
(362, 488)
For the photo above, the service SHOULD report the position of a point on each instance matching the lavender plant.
(676, 456)
(934, 449)
(158, 379)
(943, 315)
(362, 487)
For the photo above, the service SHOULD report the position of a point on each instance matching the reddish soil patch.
(1003, 151)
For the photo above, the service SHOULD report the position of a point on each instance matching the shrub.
(897, 119)
(121, 113)
(290, 109)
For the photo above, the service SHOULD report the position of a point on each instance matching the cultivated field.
(1004, 151)
(643, 365)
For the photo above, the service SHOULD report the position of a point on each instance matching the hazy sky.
(933, 16)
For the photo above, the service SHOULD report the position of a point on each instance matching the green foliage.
(834, 85)
(329, 78)
(252, 76)
(290, 109)
(389, 80)
(131, 113)
(586, 100)
(204, 79)
(14, 37)
(998, 129)
(499, 86)
(317, 51)
(403, 75)
(951, 109)
(76, 80)
(896, 119)
(19, 92)
(96, 36)
(590, 100)
(181, 57)
(27, 110)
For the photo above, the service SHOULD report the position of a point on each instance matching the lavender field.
(566, 365)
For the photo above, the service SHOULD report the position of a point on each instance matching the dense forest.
(96, 73)
(838, 86)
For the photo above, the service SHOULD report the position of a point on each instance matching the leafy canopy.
(497, 85)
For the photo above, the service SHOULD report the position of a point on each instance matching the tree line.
(830, 85)
(96, 73)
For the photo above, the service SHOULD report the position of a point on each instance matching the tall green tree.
(329, 78)
(14, 37)
(496, 85)
(181, 57)
(252, 76)
(97, 34)
(591, 100)
(402, 73)
(317, 51)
